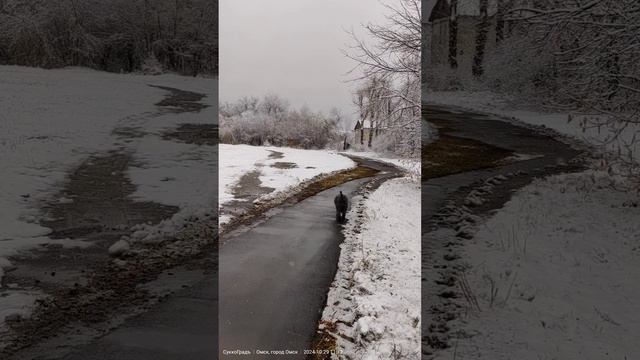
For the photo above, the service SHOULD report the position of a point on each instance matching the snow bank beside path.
(555, 274)
(279, 168)
(377, 286)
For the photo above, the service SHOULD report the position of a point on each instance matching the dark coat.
(341, 202)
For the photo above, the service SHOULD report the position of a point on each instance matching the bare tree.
(387, 67)
(595, 47)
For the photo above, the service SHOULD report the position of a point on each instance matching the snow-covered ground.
(555, 274)
(488, 102)
(53, 120)
(429, 134)
(375, 297)
(297, 166)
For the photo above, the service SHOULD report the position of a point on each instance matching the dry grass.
(323, 182)
(340, 178)
(450, 155)
(323, 341)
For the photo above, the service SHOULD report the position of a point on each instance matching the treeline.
(270, 121)
(111, 35)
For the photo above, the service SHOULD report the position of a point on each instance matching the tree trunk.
(175, 22)
(453, 36)
(481, 39)
(500, 22)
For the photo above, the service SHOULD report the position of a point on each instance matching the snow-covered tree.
(270, 121)
(595, 47)
(113, 35)
(389, 69)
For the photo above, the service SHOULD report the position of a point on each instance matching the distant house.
(361, 132)
(456, 26)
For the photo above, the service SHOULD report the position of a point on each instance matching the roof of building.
(442, 8)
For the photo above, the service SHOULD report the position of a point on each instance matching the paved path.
(274, 277)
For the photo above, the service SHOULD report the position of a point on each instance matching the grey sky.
(290, 48)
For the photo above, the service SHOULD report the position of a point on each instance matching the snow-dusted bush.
(516, 69)
(271, 122)
(151, 66)
(585, 56)
(443, 78)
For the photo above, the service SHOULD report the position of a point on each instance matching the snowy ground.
(52, 120)
(553, 275)
(488, 102)
(429, 134)
(279, 168)
(375, 297)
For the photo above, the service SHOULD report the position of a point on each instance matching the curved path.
(274, 277)
(551, 156)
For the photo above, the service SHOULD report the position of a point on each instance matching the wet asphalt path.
(493, 131)
(275, 276)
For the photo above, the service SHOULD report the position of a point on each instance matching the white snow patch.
(16, 303)
(119, 248)
(238, 160)
(562, 256)
(377, 286)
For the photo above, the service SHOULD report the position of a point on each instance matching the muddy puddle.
(284, 165)
(275, 154)
(198, 134)
(94, 206)
(452, 155)
(248, 189)
(180, 101)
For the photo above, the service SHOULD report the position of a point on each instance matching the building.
(361, 133)
(457, 26)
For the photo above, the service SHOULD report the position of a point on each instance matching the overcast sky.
(291, 48)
